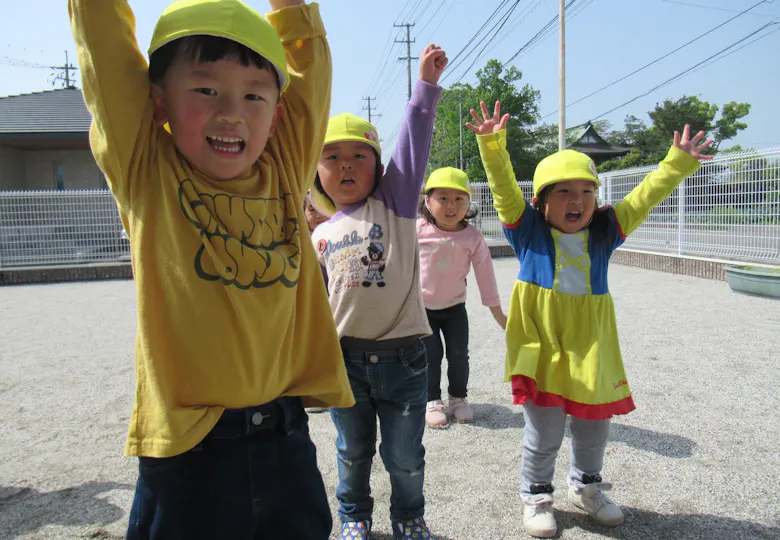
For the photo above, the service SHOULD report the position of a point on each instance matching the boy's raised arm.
(300, 131)
(116, 87)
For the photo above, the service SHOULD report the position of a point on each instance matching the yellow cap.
(564, 165)
(348, 127)
(230, 19)
(448, 178)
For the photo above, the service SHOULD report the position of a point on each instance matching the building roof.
(52, 111)
(587, 140)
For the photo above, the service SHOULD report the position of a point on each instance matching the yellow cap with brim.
(562, 166)
(448, 178)
(348, 127)
(341, 128)
(230, 19)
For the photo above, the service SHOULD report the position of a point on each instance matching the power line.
(476, 34)
(538, 35)
(479, 55)
(686, 71)
(656, 60)
(717, 8)
(441, 21)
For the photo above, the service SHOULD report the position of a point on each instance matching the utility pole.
(460, 123)
(562, 77)
(369, 108)
(64, 74)
(408, 56)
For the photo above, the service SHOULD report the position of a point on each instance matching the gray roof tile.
(52, 111)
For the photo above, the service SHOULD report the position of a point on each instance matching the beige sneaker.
(591, 500)
(461, 409)
(538, 518)
(435, 415)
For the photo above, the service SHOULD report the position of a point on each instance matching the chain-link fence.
(729, 209)
(60, 228)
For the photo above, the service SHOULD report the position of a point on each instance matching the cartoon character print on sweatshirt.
(355, 260)
(246, 242)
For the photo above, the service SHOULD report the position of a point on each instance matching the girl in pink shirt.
(449, 245)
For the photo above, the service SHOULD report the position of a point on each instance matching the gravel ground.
(698, 459)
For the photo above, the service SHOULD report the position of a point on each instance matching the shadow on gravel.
(664, 444)
(491, 416)
(646, 525)
(25, 510)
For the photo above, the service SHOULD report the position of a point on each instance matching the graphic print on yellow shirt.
(268, 251)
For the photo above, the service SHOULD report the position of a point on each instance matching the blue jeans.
(254, 476)
(544, 429)
(390, 380)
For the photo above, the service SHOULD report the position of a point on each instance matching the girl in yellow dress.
(563, 356)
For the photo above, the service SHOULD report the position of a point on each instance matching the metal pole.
(460, 123)
(562, 77)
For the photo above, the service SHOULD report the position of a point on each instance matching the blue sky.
(606, 39)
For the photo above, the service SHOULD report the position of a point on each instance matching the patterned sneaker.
(461, 409)
(355, 530)
(435, 416)
(591, 500)
(538, 518)
(413, 529)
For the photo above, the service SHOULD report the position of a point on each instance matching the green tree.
(651, 143)
(493, 83)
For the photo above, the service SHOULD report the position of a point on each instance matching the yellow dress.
(562, 340)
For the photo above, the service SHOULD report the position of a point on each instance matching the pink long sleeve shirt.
(445, 260)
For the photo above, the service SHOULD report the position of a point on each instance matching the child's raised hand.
(487, 124)
(692, 146)
(432, 63)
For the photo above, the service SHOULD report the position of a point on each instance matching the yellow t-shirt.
(232, 309)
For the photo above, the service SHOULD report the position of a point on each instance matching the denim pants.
(254, 476)
(389, 381)
(453, 324)
(544, 428)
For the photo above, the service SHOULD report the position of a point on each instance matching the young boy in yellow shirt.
(209, 151)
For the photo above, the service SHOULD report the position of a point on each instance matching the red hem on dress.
(525, 387)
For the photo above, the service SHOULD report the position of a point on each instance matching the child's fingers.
(705, 144)
(686, 135)
(698, 137)
(484, 110)
(504, 121)
(472, 127)
(475, 116)
(497, 111)
(676, 138)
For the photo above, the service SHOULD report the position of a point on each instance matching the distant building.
(586, 139)
(44, 142)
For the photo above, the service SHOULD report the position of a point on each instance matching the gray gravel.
(698, 459)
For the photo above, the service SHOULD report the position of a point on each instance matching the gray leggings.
(544, 427)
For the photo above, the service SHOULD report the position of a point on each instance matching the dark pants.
(389, 380)
(453, 324)
(254, 476)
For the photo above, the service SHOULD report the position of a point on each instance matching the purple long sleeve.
(399, 188)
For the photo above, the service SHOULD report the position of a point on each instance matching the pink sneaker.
(435, 416)
(461, 409)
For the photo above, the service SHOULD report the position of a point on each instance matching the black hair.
(601, 234)
(377, 177)
(425, 212)
(205, 49)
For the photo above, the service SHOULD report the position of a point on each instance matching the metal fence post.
(681, 218)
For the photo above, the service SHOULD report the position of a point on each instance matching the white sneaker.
(461, 409)
(435, 415)
(538, 518)
(591, 500)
